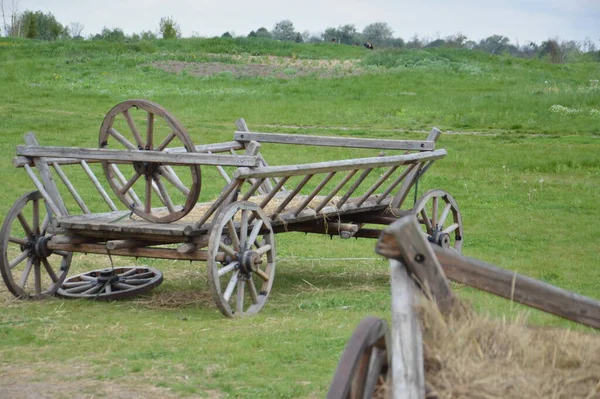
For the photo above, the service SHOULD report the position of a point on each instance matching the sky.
(521, 21)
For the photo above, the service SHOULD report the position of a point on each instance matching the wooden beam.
(337, 166)
(505, 283)
(129, 156)
(330, 141)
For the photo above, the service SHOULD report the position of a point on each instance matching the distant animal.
(333, 40)
(368, 45)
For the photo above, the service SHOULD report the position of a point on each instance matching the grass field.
(523, 163)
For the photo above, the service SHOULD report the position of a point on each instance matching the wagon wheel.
(241, 265)
(111, 284)
(162, 132)
(363, 367)
(29, 269)
(433, 210)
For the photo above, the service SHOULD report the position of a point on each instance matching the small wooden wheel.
(29, 269)
(439, 229)
(362, 369)
(111, 284)
(120, 131)
(241, 265)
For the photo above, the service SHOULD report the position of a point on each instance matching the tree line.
(44, 26)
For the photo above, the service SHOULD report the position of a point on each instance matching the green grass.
(527, 188)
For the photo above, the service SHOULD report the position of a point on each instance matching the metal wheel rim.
(25, 238)
(364, 363)
(127, 282)
(447, 208)
(226, 271)
(117, 180)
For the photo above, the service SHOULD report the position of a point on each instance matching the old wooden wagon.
(154, 170)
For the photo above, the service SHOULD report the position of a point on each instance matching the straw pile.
(474, 356)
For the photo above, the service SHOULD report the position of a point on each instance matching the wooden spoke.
(164, 195)
(49, 270)
(130, 182)
(254, 233)
(229, 269)
(443, 229)
(230, 287)
(20, 258)
(16, 240)
(228, 250)
(28, 281)
(150, 131)
(63, 253)
(239, 306)
(36, 216)
(252, 289)
(121, 139)
(76, 289)
(134, 130)
(26, 272)
(166, 142)
(24, 224)
(226, 269)
(235, 240)
(153, 137)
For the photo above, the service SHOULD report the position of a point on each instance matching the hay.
(474, 356)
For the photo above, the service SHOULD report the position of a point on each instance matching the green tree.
(264, 33)
(378, 33)
(252, 34)
(168, 28)
(38, 25)
(227, 34)
(284, 30)
(110, 35)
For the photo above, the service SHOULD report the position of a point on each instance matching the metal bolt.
(419, 258)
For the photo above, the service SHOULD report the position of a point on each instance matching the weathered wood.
(215, 148)
(135, 200)
(407, 184)
(38, 184)
(312, 195)
(408, 375)
(434, 135)
(330, 141)
(257, 183)
(376, 185)
(98, 186)
(291, 195)
(337, 166)
(345, 230)
(129, 156)
(73, 240)
(507, 284)
(71, 189)
(161, 253)
(227, 190)
(270, 196)
(353, 188)
(46, 176)
(335, 190)
(420, 260)
(126, 244)
(187, 248)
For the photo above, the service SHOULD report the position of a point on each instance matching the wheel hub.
(146, 168)
(40, 246)
(440, 238)
(249, 261)
(106, 275)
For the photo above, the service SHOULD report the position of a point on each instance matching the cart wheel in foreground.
(438, 213)
(363, 367)
(111, 284)
(241, 259)
(29, 269)
(141, 125)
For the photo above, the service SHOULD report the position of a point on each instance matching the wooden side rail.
(330, 141)
(337, 166)
(128, 156)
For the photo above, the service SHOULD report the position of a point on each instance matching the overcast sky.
(520, 20)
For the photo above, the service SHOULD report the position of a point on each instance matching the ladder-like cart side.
(234, 233)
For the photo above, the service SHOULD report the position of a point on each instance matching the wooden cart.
(153, 168)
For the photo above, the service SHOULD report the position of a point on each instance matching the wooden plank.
(353, 188)
(98, 186)
(507, 284)
(398, 180)
(71, 189)
(434, 135)
(46, 176)
(335, 190)
(214, 147)
(38, 184)
(407, 184)
(291, 195)
(408, 374)
(129, 156)
(336, 166)
(312, 195)
(330, 141)
(420, 260)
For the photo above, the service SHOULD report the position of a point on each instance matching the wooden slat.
(313, 194)
(397, 181)
(507, 284)
(408, 374)
(227, 190)
(98, 186)
(353, 188)
(70, 187)
(214, 148)
(337, 166)
(335, 190)
(129, 156)
(376, 185)
(291, 195)
(38, 184)
(330, 141)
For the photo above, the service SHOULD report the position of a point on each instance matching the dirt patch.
(268, 66)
